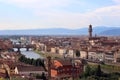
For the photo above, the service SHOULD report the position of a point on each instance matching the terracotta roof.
(64, 62)
(29, 68)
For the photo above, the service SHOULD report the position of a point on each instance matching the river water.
(29, 54)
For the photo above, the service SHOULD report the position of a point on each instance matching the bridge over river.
(27, 46)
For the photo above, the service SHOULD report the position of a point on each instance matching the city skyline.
(70, 14)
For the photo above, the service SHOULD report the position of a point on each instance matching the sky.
(70, 14)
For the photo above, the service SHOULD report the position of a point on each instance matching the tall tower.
(90, 30)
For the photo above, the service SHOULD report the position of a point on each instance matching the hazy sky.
(73, 14)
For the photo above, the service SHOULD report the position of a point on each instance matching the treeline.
(95, 73)
(111, 68)
(108, 68)
(35, 62)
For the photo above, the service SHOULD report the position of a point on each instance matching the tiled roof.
(64, 62)
(29, 68)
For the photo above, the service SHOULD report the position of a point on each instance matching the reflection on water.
(29, 54)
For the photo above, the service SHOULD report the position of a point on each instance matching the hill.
(112, 32)
(58, 31)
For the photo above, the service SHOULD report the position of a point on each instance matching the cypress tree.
(98, 71)
(87, 71)
(77, 53)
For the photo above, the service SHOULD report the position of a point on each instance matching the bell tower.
(90, 31)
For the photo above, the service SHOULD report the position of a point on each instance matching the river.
(29, 54)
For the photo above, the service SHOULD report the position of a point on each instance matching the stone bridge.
(27, 46)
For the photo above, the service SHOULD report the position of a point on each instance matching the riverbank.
(46, 54)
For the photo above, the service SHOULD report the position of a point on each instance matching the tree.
(98, 71)
(22, 58)
(84, 62)
(77, 53)
(32, 61)
(43, 76)
(87, 71)
(35, 62)
(38, 76)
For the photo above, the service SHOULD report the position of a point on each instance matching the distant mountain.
(52, 31)
(112, 32)
(57, 31)
(99, 29)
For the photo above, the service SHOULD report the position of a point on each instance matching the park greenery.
(95, 73)
(107, 68)
(35, 62)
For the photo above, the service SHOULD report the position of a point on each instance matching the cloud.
(116, 1)
(108, 11)
(107, 16)
(38, 3)
(51, 17)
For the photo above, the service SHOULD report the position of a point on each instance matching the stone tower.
(90, 30)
